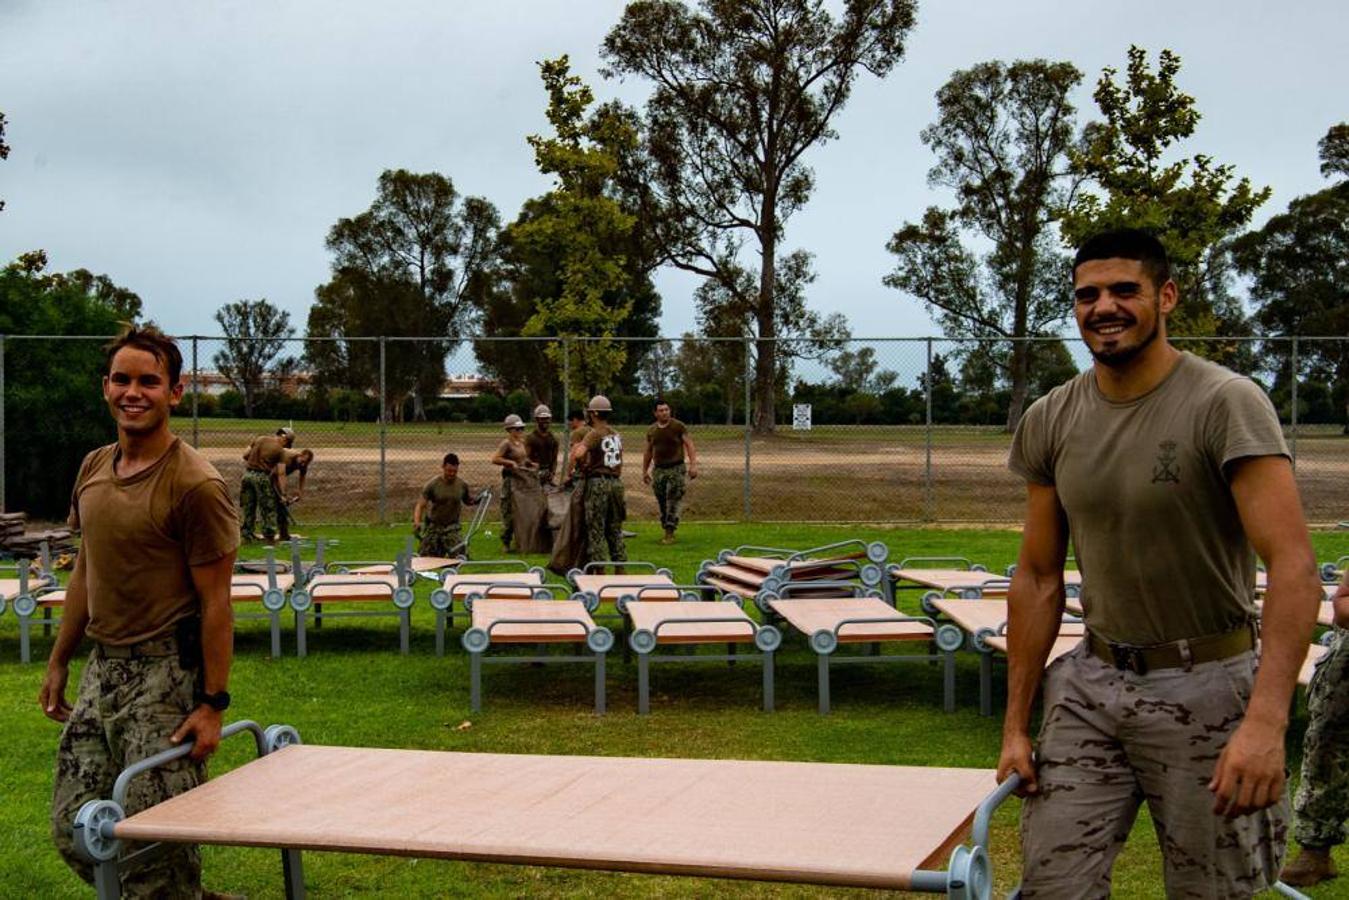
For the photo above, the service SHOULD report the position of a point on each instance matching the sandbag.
(531, 533)
(559, 502)
(569, 540)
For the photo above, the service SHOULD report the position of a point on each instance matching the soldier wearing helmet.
(541, 445)
(513, 459)
(600, 456)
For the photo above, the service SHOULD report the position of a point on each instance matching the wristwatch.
(218, 701)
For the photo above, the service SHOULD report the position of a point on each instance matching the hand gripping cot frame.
(318, 587)
(830, 824)
(458, 582)
(855, 615)
(27, 594)
(540, 619)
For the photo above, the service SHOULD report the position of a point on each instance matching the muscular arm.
(1250, 772)
(417, 512)
(691, 454)
(74, 620)
(299, 488)
(646, 460)
(212, 582)
(1034, 610)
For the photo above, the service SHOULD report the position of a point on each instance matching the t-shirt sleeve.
(1242, 422)
(73, 518)
(592, 439)
(429, 492)
(1032, 455)
(210, 525)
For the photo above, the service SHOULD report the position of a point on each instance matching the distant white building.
(463, 386)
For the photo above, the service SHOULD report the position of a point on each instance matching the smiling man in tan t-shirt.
(151, 589)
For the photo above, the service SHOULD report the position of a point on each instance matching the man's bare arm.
(212, 582)
(692, 455)
(74, 620)
(1249, 775)
(417, 512)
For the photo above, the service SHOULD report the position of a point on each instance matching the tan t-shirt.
(264, 453)
(1144, 483)
(142, 534)
(542, 449)
(604, 450)
(447, 499)
(667, 443)
(516, 453)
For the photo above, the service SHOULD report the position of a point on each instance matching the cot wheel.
(781, 573)
(949, 638)
(440, 599)
(665, 572)
(24, 605)
(689, 596)
(824, 642)
(734, 598)
(968, 875)
(277, 736)
(765, 600)
(981, 640)
(403, 597)
(1329, 572)
(600, 640)
(273, 600)
(724, 557)
(643, 640)
(592, 601)
(621, 604)
(874, 594)
(771, 584)
(978, 567)
(573, 574)
(877, 552)
(971, 593)
(542, 593)
(1073, 591)
(872, 575)
(300, 600)
(929, 603)
(89, 824)
(701, 576)
(2, 606)
(767, 639)
(706, 564)
(538, 570)
(1010, 570)
(342, 570)
(476, 640)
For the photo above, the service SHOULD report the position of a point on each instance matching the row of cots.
(846, 593)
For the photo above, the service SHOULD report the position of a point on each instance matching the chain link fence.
(898, 430)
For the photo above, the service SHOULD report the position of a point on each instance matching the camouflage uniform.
(439, 540)
(605, 510)
(507, 511)
(668, 483)
(125, 711)
(1322, 802)
(257, 497)
(1112, 740)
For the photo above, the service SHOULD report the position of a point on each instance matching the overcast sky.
(198, 153)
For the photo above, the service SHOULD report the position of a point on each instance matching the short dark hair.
(1128, 243)
(576, 415)
(661, 401)
(151, 340)
(451, 459)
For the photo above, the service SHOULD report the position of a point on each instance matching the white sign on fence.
(801, 417)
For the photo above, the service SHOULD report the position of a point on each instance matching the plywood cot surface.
(611, 587)
(460, 586)
(810, 616)
(818, 823)
(418, 564)
(549, 621)
(682, 631)
(351, 588)
(248, 586)
(765, 565)
(1062, 645)
(973, 615)
(949, 579)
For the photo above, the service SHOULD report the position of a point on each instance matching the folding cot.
(851, 615)
(985, 622)
(540, 619)
(972, 582)
(513, 577)
(594, 586)
(747, 570)
(875, 826)
(318, 587)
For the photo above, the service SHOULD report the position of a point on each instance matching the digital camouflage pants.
(258, 501)
(1322, 802)
(669, 483)
(439, 540)
(507, 513)
(1113, 740)
(126, 710)
(605, 510)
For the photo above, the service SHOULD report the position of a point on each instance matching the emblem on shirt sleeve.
(1167, 468)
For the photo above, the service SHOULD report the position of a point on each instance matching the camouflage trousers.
(439, 540)
(668, 483)
(1113, 740)
(1322, 802)
(605, 510)
(507, 512)
(258, 501)
(125, 711)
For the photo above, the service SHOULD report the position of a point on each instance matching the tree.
(742, 89)
(857, 370)
(1002, 138)
(1334, 150)
(255, 334)
(4, 149)
(412, 265)
(1192, 204)
(657, 372)
(711, 372)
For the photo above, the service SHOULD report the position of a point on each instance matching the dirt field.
(871, 474)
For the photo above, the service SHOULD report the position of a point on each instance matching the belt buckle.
(1129, 657)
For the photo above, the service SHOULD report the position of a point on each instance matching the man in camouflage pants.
(263, 485)
(600, 453)
(435, 518)
(1322, 801)
(663, 466)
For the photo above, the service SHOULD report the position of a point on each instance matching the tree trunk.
(248, 401)
(1020, 379)
(766, 348)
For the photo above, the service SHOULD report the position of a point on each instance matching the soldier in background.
(541, 444)
(576, 432)
(663, 466)
(435, 518)
(512, 457)
(292, 461)
(600, 454)
(261, 489)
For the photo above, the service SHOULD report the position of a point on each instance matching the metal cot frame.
(442, 599)
(868, 558)
(25, 602)
(302, 596)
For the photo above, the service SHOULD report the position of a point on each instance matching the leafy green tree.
(1003, 135)
(711, 373)
(857, 370)
(412, 265)
(255, 334)
(742, 89)
(54, 409)
(1334, 149)
(1193, 204)
(4, 149)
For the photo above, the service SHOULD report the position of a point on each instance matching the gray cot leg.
(730, 651)
(276, 634)
(475, 681)
(301, 647)
(404, 631)
(949, 681)
(318, 615)
(768, 681)
(822, 663)
(293, 870)
(643, 685)
(440, 632)
(985, 684)
(23, 639)
(106, 884)
(599, 684)
(46, 621)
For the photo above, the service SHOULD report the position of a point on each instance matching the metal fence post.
(2, 422)
(383, 427)
(566, 378)
(196, 434)
(748, 428)
(1294, 373)
(929, 497)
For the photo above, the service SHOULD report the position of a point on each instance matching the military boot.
(1312, 866)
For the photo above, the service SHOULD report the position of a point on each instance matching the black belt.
(1175, 655)
(160, 646)
(601, 476)
(673, 465)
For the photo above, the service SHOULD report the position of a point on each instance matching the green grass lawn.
(355, 689)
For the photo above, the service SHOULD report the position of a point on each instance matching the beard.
(1116, 357)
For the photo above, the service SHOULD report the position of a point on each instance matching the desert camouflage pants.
(1322, 802)
(669, 483)
(258, 501)
(1113, 740)
(125, 711)
(439, 540)
(507, 512)
(605, 510)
